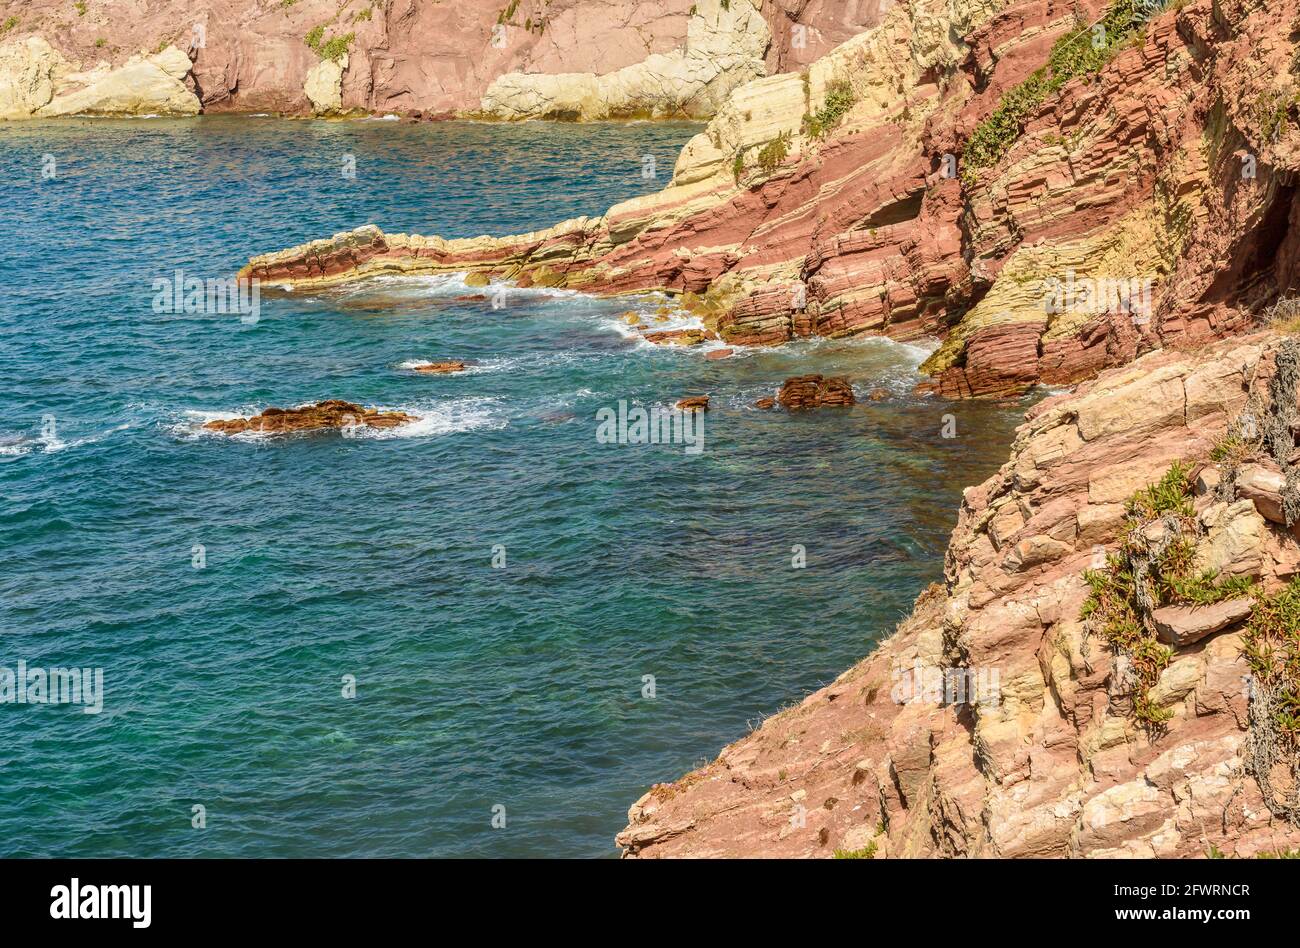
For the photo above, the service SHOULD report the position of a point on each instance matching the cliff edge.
(1108, 669)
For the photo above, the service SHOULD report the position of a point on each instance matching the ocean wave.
(439, 418)
(441, 286)
(21, 445)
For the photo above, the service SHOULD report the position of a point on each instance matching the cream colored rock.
(1099, 523)
(1234, 541)
(324, 85)
(29, 71)
(725, 46)
(1113, 485)
(1263, 487)
(1177, 681)
(1148, 402)
(143, 85)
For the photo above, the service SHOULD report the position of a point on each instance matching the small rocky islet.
(330, 415)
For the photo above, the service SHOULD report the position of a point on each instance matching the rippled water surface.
(372, 556)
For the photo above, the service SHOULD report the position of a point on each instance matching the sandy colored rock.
(694, 403)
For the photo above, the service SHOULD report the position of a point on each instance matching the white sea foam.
(439, 418)
(50, 443)
(441, 285)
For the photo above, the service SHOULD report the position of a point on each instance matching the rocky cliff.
(1050, 188)
(1108, 669)
(538, 58)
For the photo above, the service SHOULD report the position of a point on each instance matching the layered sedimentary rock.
(440, 58)
(998, 720)
(37, 82)
(805, 392)
(322, 416)
(1148, 198)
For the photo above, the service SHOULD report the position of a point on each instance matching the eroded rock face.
(1118, 220)
(37, 82)
(725, 48)
(324, 85)
(440, 58)
(803, 392)
(321, 416)
(993, 722)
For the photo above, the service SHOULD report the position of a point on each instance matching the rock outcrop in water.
(976, 170)
(1020, 711)
(803, 392)
(503, 58)
(322, 416)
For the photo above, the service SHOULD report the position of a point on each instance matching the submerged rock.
(679, 337)
(815, 391)
(715, 354)
(322, 416)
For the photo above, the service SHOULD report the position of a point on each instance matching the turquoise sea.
(477, 688)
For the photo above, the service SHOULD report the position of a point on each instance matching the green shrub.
(336, 48)
(866, 852)
(839, 99)
(1083, 51)
(1271, 645)
(314, 36)
(1145, 574)
(774, 152)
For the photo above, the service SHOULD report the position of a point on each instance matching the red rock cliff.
(1001, 719)
(976, 171)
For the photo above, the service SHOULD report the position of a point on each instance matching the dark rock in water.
(766, 403)
(556, 417)
(326, 415)
(694, 403)
(803, 392)
(469, 298)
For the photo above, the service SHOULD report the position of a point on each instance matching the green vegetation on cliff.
(1083, 51)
